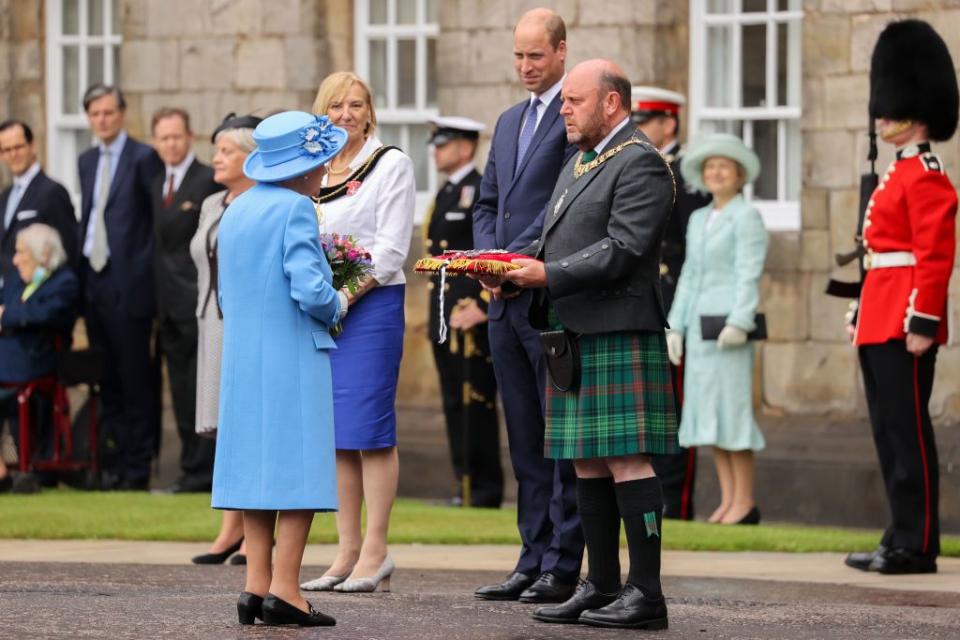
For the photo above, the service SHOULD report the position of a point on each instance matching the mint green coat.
(720, 276)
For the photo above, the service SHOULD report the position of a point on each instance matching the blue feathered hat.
(290, 144)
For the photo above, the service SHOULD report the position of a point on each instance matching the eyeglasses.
(15, 148)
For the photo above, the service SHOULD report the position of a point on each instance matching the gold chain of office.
(581, 168)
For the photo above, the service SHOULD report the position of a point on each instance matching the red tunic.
(912, 210)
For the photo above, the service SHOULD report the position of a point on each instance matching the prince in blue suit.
(528, 149)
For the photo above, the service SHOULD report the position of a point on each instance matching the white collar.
(671, 147)
(547, 96)
(116, 147)
(24, 179)
(179, 170)
(616, 129)
(372, 144)
(457, 176)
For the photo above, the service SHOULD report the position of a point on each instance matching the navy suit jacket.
(30, 329)
(509, 213)
(44, 201)
(129, 222)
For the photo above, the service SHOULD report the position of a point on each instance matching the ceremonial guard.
(908, 244)
(467, 383)
(656, 112)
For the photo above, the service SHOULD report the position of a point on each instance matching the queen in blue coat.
(275, 443)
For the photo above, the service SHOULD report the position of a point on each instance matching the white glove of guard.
(731, 336)
(675, 347)
(344, 305)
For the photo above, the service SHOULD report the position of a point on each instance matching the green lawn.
(65, 514)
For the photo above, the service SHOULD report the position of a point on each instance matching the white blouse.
(379, 213)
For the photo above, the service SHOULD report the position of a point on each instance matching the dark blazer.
(451, 227)
(509, 213)
(176, 275)
(601, 240)
(46, 201)
(129, 222)
(29, 330)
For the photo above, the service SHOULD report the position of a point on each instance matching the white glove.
(675, 347)
(731, 336)
(344, 305)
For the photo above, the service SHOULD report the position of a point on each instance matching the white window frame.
(390, 114)
(781, 214)
(62, 147)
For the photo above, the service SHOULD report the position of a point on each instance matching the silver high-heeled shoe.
(324, 583)
(361, 585)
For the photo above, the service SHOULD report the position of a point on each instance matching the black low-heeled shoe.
(249, 607)
(239, 559)
(752, 517)
(218, 558)
(278, 612)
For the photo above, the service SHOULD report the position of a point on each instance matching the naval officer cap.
(650, 102)
(453, 127)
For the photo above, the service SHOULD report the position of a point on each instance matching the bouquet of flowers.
(349, 262)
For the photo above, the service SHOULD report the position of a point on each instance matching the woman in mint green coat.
(726, 249)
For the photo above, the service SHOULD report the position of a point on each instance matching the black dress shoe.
(587, 596)
(277, 612)
(509, 589)
(249, 607)
(218, 558)
(128, 484)
(863, 559)
(631, 610)
(548, 588)
(239, 559)
(6, 483)
(25, 483)
(752, 517)
(903, 561)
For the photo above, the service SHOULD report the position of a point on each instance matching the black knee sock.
(641, 507)
(600, 521)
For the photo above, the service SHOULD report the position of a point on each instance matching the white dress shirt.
(379, 214)
(178, 172)
(457, 176)
(546, 98)
(116, 148)
(613, 132)
(19, 187)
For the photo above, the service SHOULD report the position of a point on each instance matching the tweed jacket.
(601, 239)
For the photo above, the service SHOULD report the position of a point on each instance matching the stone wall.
(216, 56)
(21, 66)
(807, 366)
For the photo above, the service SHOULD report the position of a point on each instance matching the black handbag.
(711, 326)
(563, 358)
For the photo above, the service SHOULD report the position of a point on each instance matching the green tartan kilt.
(625, 402)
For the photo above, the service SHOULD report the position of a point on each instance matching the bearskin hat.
(912, 78)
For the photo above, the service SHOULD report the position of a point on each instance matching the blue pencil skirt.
(366, 366)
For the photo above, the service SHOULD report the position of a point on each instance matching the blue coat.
(510, 210)
(275, 443)
(720, 276)
(30, 329)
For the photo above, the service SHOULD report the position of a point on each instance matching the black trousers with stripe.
(678, 471)
(898, 387)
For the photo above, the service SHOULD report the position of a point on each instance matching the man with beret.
(468, 387)
(900, 320)
(656, 112)
(598, 270)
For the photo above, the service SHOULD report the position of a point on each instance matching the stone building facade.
(215, 56)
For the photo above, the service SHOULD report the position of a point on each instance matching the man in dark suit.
(33, 197)
(599, 265)
(656, 112)
(116, 269)
(463, 359)
(528, 149)
(177, 195)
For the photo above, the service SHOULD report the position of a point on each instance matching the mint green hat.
(724, 145)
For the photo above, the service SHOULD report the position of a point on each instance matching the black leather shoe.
(752, 517)
(631, 610)
(863, 559)
(548, 588)
(25, 483)
(277, 612)
(239, 559)
(133, 485)
(6, 483)
(218, 558)
(587, 596)
(510, 589)
(902, 561)
(249, 607)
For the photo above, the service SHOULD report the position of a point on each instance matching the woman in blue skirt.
(368, 193)
(275, 444)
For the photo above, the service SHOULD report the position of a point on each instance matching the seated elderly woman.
(37, 315)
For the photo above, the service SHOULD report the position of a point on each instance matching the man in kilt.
(598, 264)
